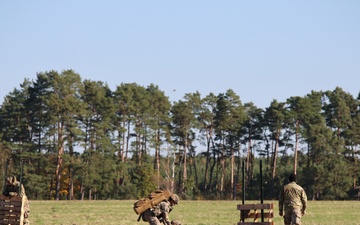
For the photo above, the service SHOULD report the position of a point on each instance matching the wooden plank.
(10, 214)
(258, 215)
(10, 222)
(10, 203)
(14, 198)
(10, 217)
(12, 209)
(255, 206)
(15, 209)
(255, 223)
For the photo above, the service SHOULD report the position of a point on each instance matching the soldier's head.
(174, 199)
(10, 180)
(292, 177)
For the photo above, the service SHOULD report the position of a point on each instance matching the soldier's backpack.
(153, 199)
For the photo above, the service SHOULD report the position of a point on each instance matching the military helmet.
(175, 198)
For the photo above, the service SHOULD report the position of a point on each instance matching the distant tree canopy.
(78, 139)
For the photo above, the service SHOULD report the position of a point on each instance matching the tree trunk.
(232, 171)
(275, 153)
(184, 167)
(296, 146)
(157, 157)
(59, 161)
(127, 140)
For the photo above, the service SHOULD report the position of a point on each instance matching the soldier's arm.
(165, 213)
(281, 202)
(303, 201)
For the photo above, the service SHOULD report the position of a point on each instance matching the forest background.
(69, 138)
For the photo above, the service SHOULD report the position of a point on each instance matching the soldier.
(293, 200)
(11, 189)
(160, 212)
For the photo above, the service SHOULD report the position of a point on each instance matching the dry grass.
(188, 212)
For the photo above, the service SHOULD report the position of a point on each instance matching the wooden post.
(243, 182)
(261, 192)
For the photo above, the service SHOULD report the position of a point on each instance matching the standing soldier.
(11, 189)
(293, 199)
(160, 212)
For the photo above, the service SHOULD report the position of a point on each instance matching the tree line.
(78, 139)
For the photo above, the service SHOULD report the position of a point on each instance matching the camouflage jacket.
(162, 211)
(292, 196)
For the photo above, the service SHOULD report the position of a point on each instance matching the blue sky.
(263, 50)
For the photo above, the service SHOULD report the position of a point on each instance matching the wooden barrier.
(254, 211)
(11, 210)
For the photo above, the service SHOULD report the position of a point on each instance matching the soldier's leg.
(296, 217)
(154, 220)
(287, 217)
(150, 218)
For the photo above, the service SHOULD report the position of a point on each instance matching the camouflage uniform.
(12, 189)
(160, 212)
(293, 200)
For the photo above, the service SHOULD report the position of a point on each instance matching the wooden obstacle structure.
(256, 212)
(11, 210)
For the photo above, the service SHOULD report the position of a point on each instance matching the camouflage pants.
(292, 216)
(150, 218)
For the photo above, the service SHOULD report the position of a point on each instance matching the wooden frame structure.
(260, 211)
(11, 210)
(256, 212)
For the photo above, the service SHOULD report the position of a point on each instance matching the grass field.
(188, 212)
